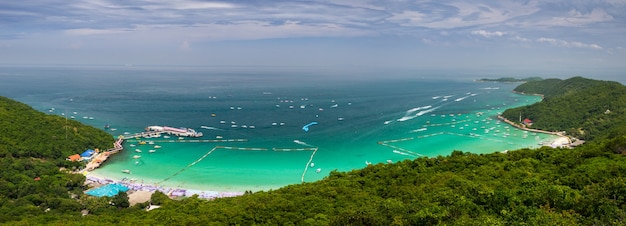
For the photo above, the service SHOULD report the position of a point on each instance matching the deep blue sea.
(359, 120)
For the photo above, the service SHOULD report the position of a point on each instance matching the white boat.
(126, 171)
(157, 146)
(166, 137)
(152, 151)
(318, 170)
(138, 150)
(132, 145)
(218, 137)
(312, 165)
(136, 156)
(181, 138)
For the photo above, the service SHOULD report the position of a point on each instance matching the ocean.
(353, 121)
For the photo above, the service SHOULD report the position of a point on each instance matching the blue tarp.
(87, 153)
(109, 190)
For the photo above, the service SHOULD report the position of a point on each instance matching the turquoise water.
(359, 121)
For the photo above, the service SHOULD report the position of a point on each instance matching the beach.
(261, 134)
(140, 192)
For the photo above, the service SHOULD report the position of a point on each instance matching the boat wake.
(409, 114)
(302, 143)
(211, 128)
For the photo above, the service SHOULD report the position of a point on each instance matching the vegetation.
(33, 147)
(510, 79)
(584, 108)
(581, 186)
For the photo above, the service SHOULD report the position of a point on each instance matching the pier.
(191, 141)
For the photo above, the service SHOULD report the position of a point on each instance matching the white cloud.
(200, 5)
(577, 18)
(89, 31)
(564, 43)
(488, 34)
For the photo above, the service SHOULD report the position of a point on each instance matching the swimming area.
(284, 127)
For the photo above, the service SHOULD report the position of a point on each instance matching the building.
(88, 154)
(527, 122)
(73, 158)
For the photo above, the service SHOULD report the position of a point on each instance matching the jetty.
(156, 131)
(101, 157)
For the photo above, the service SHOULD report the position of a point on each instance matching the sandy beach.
(139, 192)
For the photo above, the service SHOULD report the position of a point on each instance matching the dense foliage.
(33, 147)
(582, 186)
(582, 107)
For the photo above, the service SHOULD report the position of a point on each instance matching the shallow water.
(358, 121)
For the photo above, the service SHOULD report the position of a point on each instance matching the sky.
(509, 35)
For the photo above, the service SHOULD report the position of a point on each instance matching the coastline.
(94, 180)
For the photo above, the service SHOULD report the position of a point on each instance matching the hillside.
(581, 186)
(584, 108)
(33, 146)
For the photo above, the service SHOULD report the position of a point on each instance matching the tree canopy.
(545, 186)
(584, 108)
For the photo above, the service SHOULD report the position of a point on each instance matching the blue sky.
(554, 35)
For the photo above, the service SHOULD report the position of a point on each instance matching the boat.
(126, 171)
(166, 137)
(152, 151)
(157, 146)
(132, 145)
(136, 156)
(312, 165)
(142, 142)
(318, 170)
(138, 150)
(218, 137)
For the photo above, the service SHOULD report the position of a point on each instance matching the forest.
(581, 186)
(584, 108)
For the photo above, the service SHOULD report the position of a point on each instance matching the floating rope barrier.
(190, 165)
(294, 149)
(308, 163)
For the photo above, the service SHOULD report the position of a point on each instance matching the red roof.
(75, 157)
(528, 121)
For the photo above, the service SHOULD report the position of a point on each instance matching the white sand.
(139, 197)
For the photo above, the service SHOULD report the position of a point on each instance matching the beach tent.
(108, 190)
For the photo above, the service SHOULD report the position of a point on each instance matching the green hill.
(581, 186)
(33, 147)
(584, 108)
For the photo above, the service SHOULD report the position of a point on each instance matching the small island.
(510, 79)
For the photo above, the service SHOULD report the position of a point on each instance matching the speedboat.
(136, 156)
(126, 171)
(152, 151)
(138, 150)
(157, 146)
